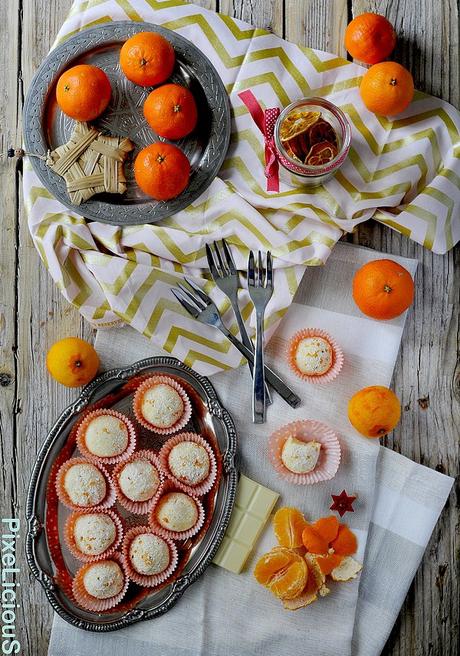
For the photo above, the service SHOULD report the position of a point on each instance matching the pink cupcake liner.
(70, 540)
(194, 490)
(337, 355)
(176, 535)
(109, 460)
(151, 382)
(155, 579)
(307, 431)
(87, 601)
(107, 502)
(138, 507)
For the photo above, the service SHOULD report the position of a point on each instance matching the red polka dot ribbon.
(265, 121)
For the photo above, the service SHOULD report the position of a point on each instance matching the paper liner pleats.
(138, 507)
(307, 430)
(201, 488)
(137, 405)
(108, 460)
(154, 580)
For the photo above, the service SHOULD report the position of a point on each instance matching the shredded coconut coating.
(139, 480)
(94, 533)
(313, 356)
(106, 436)
(300, 457)
(189, 462)
(177, 511)
(149, 554)
(162, 405)
(103, 580)
(85, 485)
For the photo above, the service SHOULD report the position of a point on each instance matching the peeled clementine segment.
(315, 573)
(288, 524)
(313, 541)
(282, 571)
(327, 527)
(345, 544)
(270, 564)
(329, 562)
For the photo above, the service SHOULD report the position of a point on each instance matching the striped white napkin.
(398, 501)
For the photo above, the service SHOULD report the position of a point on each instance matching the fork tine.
(185, 304)
(195, 301)
(228, 257)
(269, 270)
(211, 264)
(203, 296)
(222, 266)
(260, 271)
(251, 271)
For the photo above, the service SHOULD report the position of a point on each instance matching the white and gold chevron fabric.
(404, 173)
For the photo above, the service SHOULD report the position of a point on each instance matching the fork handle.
(247, 341)
(270, 376)
(258, 384)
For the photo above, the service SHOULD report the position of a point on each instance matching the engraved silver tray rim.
(129, 214)
(37, 554)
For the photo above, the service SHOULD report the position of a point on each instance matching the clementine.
(374, 411)
(370, 38)
(83, 92)
(387, 88)
(383, 289)
(171, 111)
(72, 362)
(147, 58)
(288, 524)
(162, 171)
(283, 572)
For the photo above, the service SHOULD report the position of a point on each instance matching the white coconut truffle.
(139, 480)
(162, 405)
(189, 462)
(300, 457)
(94, 533)
(149, 554)
(313, 356)
(104, 580)
(177, 511)
(85, 485)
(106, 436)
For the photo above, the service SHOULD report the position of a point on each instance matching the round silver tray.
(208, 415)
(46, 127)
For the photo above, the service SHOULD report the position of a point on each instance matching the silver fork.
(225, 275)
(260, 287)
(203, 308)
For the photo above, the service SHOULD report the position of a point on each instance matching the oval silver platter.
(46, 127)
(208, 416)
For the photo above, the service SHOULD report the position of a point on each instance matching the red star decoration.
(342, 503)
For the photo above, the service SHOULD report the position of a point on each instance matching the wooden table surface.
(33, 313)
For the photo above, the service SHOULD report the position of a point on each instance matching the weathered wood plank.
(33, 314)
(425, 375)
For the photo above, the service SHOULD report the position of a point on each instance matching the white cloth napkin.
(398, 501)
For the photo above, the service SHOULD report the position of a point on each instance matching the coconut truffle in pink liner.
(101, 585)
(149, 558)
(82, 484)
(315, 356)
(189, 460)
(161, 405)
(177, 515)
(138, 481)
(106, 436)
(90, 536)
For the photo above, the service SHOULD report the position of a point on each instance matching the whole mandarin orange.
(72, 362)
(83, 92)
(387, 88)
(147, 58)
(383, 289)
(162, 171)
(370, 38)
(374, 411)
(171, 111)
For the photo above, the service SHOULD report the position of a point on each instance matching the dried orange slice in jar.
(321, 153)
(296, 123)
(283, 572)
(320, 132)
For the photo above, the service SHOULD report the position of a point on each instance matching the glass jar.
(296, 173)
